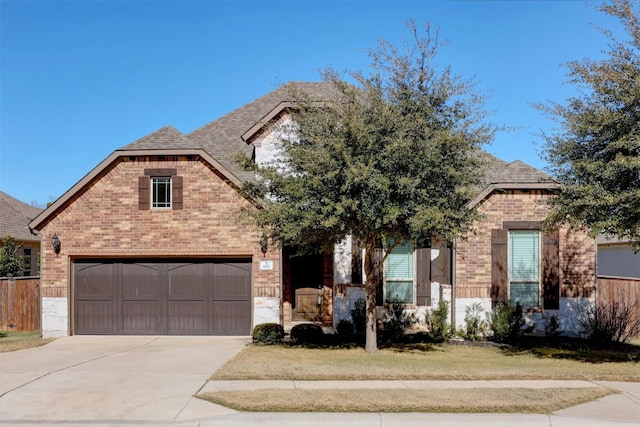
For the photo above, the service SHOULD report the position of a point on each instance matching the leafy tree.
(596, 151)
(391, 157)
(10, 263)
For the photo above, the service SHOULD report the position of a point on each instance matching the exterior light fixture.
(264, 244)
(55, 242)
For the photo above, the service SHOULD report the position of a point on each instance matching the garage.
(162, 297)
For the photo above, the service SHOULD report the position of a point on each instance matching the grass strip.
(475, 400)
(429, 362)
(13, 340)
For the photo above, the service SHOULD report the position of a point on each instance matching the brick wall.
(473, 254)
(104, 220)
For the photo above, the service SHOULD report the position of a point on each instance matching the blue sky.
(80, 79)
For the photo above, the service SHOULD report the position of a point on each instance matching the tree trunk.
(370, 266)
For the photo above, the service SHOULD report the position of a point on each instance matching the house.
(15, 217)
(152, 241)
(617, 258)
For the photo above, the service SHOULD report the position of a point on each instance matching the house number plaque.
(266, 265)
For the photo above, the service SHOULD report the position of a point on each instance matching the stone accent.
(568, 315)
(55, 317)
(103, 220)
(266, 310)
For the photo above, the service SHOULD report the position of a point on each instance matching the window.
(399, 274)
(160, 189)
(160, 192)
(524, 267)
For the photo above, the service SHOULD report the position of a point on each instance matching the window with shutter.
(399, 274)
(160, 189)
(524, 267)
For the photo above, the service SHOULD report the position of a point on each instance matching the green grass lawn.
(13, 340)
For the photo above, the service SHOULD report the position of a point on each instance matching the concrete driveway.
(113, 378)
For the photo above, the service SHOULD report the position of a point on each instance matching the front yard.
(425, 362)
(434, 362)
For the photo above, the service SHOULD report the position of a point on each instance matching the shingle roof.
(167, 137)
(222, 138)
(518, 172)
(15, 217)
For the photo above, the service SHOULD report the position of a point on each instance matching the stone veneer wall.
(103, 220)
(473, 259)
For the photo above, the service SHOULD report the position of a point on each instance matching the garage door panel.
(187, 318)
(94, 282)
(226, 320)
(96, 317)
(233, 282)
(141, 282)
(141, 317)
(189, 282)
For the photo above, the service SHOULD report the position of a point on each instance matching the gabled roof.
(166, 138)
(15, 217)
(222, 140)
(228, 136)
(517, 175)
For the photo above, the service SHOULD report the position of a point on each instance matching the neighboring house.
(152, 241)
(15, 217)
(617, 258)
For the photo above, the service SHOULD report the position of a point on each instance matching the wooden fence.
(20, 304)
(621, 290)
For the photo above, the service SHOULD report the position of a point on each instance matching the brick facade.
(104, 220)
(473, 253)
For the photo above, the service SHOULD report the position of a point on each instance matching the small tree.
(392, 157)
(10, 262)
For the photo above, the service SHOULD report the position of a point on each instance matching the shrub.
(345, 330)
(437, 322)
(551, 326)
(307, 333)
(612, 322)
(474, 325)
(507, 322)
(268, 333)
(359, 316)
(396, 319)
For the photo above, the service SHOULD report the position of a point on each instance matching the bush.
(507, 322)
(613, 322)
(437, 322)
(359, 316)
(307, 333)
(268, 333)
(475, 326)
(345, 330)
(396, 319)
(551, 326)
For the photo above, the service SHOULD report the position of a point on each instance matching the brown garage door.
(162, 297)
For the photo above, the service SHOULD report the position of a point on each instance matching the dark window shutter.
(423, 276)
(499, 265)
(176, 185)
(551, 271)
(143, 193)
